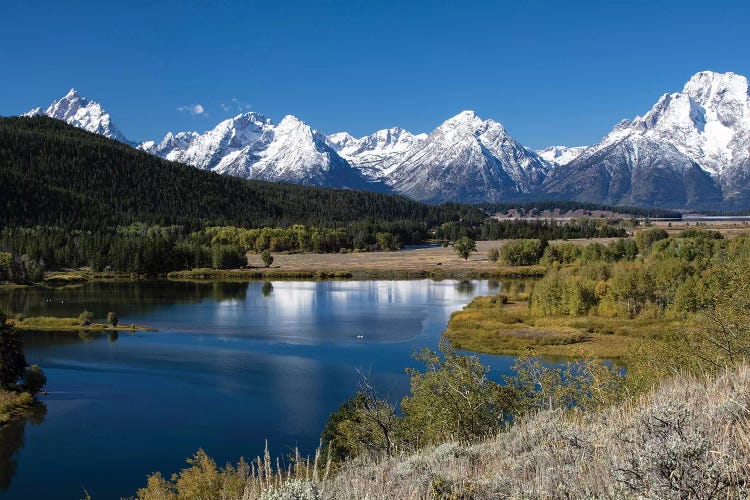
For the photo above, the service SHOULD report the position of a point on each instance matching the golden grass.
(69, 324)
(75, 277)
(11, 403)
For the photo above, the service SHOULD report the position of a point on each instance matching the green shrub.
(267, 258)
(464, 247)
(85, 318)
(34, 380)
(228, 257)
(493, 255)
(522, 252)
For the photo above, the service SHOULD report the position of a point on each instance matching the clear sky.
(553, 72)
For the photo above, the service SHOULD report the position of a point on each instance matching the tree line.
(52, 173)
(493, 229)
(535, 207)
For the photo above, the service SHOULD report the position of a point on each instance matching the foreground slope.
(54, 173)
(688, 439)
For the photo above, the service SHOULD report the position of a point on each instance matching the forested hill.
(52, 173)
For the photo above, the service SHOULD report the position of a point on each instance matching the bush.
(112, 319)
(85, 318)
(646, 238)
(464, 247)
(364, 425)
(12, 358)
(453, 399)
(386, 241)
(34, 380)
(493, 255)
(563, 293)
(228, 257)
(267, 258)
(522, 252)
(561, 253)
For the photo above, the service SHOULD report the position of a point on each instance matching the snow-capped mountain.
(704, 127)
(560, 155)
(251, 146)
(378, 154)
(468, 159)
(690, 150)
(82, 113)
(634, 171)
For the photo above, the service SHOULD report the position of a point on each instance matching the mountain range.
(691, 150)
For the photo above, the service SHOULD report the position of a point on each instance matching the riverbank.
(419, 263)
(13, 405)
(490, 325)
(71, 325)
(241, 275)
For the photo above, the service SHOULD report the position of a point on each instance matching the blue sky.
(552, 72)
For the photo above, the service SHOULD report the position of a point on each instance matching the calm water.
(231, 366)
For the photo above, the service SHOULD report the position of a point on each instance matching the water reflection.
(114, 296)
(465, 287)
(232, 365)
(12, 437)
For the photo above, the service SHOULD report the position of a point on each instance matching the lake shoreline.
(49, 323)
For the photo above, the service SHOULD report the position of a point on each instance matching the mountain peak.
(78, 111)
(72, 94)
(711, 89)
(464, 117)
(705, 79)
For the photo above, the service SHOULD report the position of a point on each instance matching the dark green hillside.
(54, 174)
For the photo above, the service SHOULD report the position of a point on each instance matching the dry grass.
(690, 438)
(11, 403)
(727, 228)
(407, 260)
(435, 263)
(69, 324)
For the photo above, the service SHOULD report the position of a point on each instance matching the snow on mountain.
(376, 155)
(340, 140)
(709, 121)
(634, 171)
(706, 125)
(560, 155)
(468, 159)
(251, 146)
(231, 141)
(82, 113)
(691, 149)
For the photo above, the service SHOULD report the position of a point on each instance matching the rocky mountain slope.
(691, 150)
(251, 146)
(378, 154)
(82, 113)
(470, 159)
